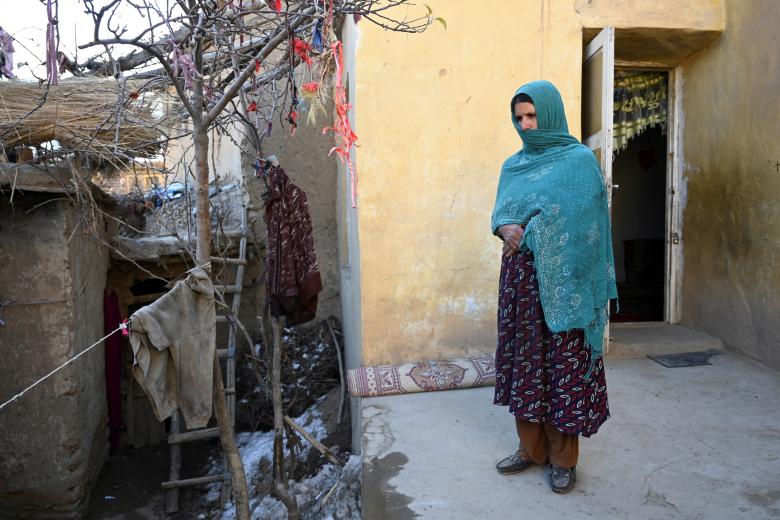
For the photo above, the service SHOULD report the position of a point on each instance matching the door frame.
(673, 233)
(674, 224)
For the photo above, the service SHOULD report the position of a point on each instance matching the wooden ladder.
(231, 294)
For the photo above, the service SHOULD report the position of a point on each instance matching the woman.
(557, 277)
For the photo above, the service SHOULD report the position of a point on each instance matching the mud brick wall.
(53, 440)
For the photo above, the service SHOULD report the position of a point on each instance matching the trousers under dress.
(540, 375)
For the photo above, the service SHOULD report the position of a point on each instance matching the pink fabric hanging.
(52, 67)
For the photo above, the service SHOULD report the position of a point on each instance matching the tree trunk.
(202, 254)
(228, 441)
(203, 242)
(280, 482)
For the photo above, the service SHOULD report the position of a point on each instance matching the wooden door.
(598, 78)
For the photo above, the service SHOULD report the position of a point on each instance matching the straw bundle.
(100, 117)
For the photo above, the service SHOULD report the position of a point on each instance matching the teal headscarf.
(554, 186)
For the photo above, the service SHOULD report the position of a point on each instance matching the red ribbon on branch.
(341, 125)
(302, 49)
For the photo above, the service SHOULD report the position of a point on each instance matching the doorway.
(638, 226)
(629, 117)
(639, 189)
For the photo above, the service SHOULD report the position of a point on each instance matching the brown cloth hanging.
(292, 274)
(173, 342)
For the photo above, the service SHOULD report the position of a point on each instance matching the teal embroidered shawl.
(554, 186)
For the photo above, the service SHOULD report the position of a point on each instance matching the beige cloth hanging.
(173, 342)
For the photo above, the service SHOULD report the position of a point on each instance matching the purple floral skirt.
(541, 375)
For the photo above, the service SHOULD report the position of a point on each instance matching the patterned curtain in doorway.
(640, 102)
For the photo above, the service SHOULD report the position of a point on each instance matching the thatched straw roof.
(100, 117)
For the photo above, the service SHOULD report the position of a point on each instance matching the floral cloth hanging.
(293, 278)
(641, 101)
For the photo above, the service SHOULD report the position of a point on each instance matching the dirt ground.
(129, 485)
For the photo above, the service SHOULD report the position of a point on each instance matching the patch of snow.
(254, 447)
(334, 492)
(265, 509)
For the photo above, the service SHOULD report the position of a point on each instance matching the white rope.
(122, 326)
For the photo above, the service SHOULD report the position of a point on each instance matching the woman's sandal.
(516, 462)
(562, 480)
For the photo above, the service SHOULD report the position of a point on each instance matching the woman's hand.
(512, 235)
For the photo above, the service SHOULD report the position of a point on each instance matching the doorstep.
(637, 340)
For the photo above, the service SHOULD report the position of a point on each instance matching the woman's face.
(525, 115)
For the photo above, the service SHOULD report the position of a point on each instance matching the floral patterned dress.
(541, 375)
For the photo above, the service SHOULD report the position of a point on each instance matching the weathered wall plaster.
(732, 218)
(433, 120)
(53, 440)
(224, 158)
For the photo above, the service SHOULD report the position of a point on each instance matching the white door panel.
(598, 78)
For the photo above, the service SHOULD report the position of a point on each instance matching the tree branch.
(160, 58)
(235, 85)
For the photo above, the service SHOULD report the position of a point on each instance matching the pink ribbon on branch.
(341, 125)
(52, 66)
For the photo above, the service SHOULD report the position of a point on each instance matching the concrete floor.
(690, 443)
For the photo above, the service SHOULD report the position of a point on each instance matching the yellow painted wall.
(434, 126)
(432, 114)
(731, 228)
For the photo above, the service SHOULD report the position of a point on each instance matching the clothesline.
(122, 326)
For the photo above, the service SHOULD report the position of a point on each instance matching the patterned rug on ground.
(424, 376)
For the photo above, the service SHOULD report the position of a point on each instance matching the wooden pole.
(341, 372)
(313, 441)
(172, 495)
(280, 482)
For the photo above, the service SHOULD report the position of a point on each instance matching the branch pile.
(84, 116)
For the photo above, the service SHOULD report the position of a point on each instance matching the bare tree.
(230, 64)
